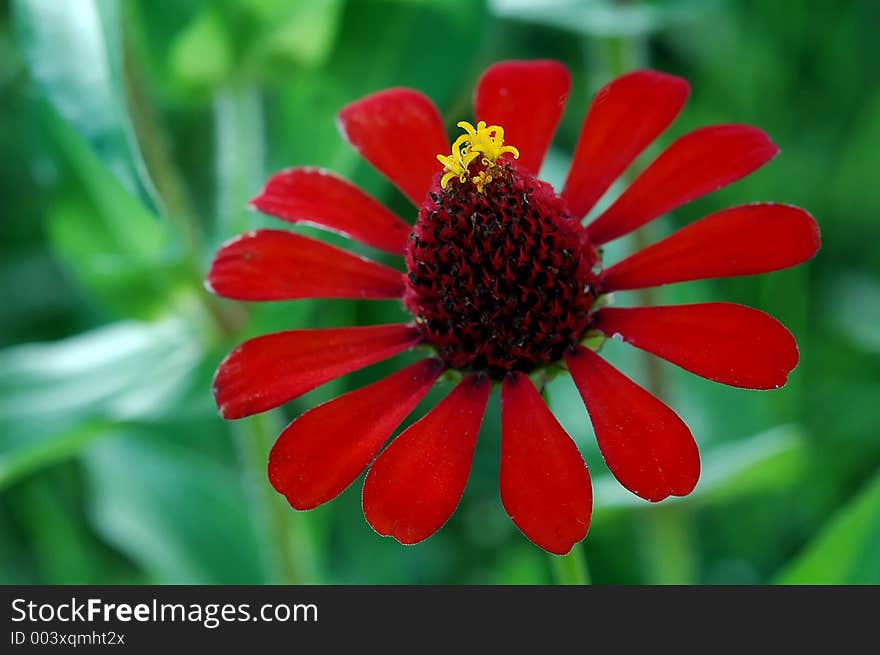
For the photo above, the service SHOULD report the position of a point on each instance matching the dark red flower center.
(500, 279)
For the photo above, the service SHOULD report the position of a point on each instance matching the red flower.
(502, 281)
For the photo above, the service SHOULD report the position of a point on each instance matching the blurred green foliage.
(135, 131)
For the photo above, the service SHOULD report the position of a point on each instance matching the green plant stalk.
(280, 536)
(238, 118)
(240, 141)
(153, 143)
(671, 546)
(171, 188)
(571, 569)
(670, 554)
(252, 436)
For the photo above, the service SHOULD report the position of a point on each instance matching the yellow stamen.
(481, 179)
(483, 142)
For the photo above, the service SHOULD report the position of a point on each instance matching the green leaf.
(128, 284)
(115, 247)
(57, 397)
(225, 42)
(17, 461)
(854, 308)
(847, 550)
(602, 18)
(180, 515)
(298, 31)
(760, 464)
(59, 541)
(132, 229)
(201, 57)
(73, 51)
(853, 179)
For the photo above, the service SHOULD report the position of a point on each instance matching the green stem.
(671, 539)
(240, 160)
(171, 189)
(153, 143)
(254, 440)
(238, 117)
(669, 547)
(571, 569)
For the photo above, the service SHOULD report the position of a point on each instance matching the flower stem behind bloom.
(670, 548)
(571, 569)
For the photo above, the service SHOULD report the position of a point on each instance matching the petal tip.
(282, 485)
(301, 506)
(687, 490)
(209, 285)
(790, 368)
(228, 413)
(680, 490)
(296, 503)
(401, 537)
(561, 551)
(762, 140)
(342, 128)
(677, 82)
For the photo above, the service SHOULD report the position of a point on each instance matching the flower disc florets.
(500, 277)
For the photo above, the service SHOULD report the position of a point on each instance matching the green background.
(134, 132)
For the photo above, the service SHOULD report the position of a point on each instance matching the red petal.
(400, 132)
(724, 342)
(647, 447)
(324, 450)
(545, 485)
(742, 240)
(527, 99)
(317, 197)
(698, 163)
(624, 118)
(279, 265)
(417, 482)
(271, 370)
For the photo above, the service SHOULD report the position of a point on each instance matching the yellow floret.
(484, 142)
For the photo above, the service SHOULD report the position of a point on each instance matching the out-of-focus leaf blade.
(56, 397)
(299, 31)
(74, 52)
(854, 181)
(132, 228)
(854, 309)
(847, 550)
(178, 514)
(113, 245)
(60, 542)
(601, 17)
(126, 284)
(17, 463)
(232, 42)
(201, 56)
(762, 463)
